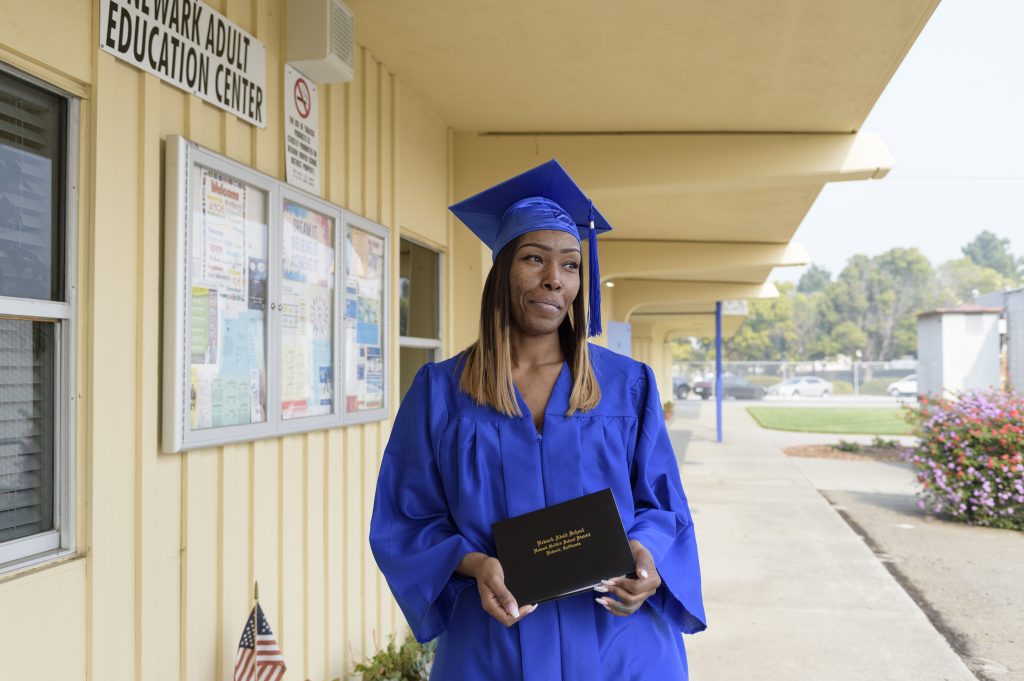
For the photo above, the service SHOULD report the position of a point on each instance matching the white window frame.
(435, 344)
(60, 541)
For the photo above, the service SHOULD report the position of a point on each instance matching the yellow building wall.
(173, 542)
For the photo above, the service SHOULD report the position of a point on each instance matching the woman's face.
(544, 280)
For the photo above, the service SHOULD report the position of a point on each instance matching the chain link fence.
(856, 378)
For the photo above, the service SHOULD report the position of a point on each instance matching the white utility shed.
(1012, 303)
(958, 349)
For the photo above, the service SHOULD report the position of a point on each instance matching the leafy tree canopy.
(815, 279)
(963, 279)
(988, 250)
(871, 306)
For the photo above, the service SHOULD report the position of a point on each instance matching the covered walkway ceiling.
(657, 65)
(704, 131)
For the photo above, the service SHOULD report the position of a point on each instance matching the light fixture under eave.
(610, 284)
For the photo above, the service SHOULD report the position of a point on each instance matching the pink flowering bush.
(969, 462)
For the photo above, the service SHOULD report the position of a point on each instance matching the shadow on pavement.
(904, 505)
(680, 440)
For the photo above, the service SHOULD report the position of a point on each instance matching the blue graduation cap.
(544, 197)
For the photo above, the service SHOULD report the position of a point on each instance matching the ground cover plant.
(410, 661)
(840, 420)
(969, 460)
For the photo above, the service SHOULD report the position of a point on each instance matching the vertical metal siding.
(177, 540)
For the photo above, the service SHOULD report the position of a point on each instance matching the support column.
(718, 369)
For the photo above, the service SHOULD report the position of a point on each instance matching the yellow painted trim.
(44, 72)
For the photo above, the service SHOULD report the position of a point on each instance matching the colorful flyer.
(364, 318)
(227, 307)
(307, 312)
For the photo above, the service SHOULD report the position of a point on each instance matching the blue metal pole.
(718, 369)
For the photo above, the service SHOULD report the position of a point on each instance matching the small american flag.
(259, 657)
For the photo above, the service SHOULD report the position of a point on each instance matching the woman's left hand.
(625, 595)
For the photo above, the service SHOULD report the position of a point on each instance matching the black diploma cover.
(563, 549)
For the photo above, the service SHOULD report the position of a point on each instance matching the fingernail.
(601, 601)
(608, 582)
(643, 573)
(601, 589)
(514, 611)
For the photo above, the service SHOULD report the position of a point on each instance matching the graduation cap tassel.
(594, 317)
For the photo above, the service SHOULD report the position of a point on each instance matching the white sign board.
(193, 47)
(620, 337)
(736, 308)
(301, 143)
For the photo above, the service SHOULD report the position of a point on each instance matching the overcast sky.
(953, 118)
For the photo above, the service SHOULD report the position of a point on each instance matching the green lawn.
(854, 420)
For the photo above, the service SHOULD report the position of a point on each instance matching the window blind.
(30, 153)
(26, 428)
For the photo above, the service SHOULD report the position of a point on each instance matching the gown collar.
(558, 401)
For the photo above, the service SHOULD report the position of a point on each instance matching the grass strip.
(838, 420)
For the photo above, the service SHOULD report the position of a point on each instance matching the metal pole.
(718, 369)
(856, 372)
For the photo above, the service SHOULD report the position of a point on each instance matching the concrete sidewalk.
(966, 578)
(791, 591)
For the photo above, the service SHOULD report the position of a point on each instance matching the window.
(419, 310)
(37, 323)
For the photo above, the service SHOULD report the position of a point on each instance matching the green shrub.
(842, 388)
(876, 386)
(845, 446)
(409, 662)
(882, 443)
(969, 461)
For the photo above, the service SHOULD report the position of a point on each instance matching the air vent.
(342, 32)
(321, 40)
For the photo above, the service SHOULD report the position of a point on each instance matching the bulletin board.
(367, 319)
(308, 310)
(256, 288)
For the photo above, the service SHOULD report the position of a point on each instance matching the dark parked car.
(732, 386)
(680, 387)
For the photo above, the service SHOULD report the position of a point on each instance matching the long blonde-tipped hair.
(487, 371)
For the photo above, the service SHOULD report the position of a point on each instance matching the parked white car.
(905, 386)
(802, 386)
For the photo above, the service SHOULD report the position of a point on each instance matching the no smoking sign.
(303, 99)
(302, 145)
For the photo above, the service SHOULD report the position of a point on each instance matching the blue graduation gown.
(452, 467)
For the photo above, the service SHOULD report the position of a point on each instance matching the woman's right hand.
(495, 598)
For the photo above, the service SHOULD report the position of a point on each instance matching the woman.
(528, 416)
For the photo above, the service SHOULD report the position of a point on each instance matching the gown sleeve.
(662, 521)
(412, 535)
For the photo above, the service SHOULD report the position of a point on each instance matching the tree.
(815, 279)
(691, 349)
(988, 250)
(848, 338)
(963, 279)
(807, 324)
(881, 295)
(767, 332)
